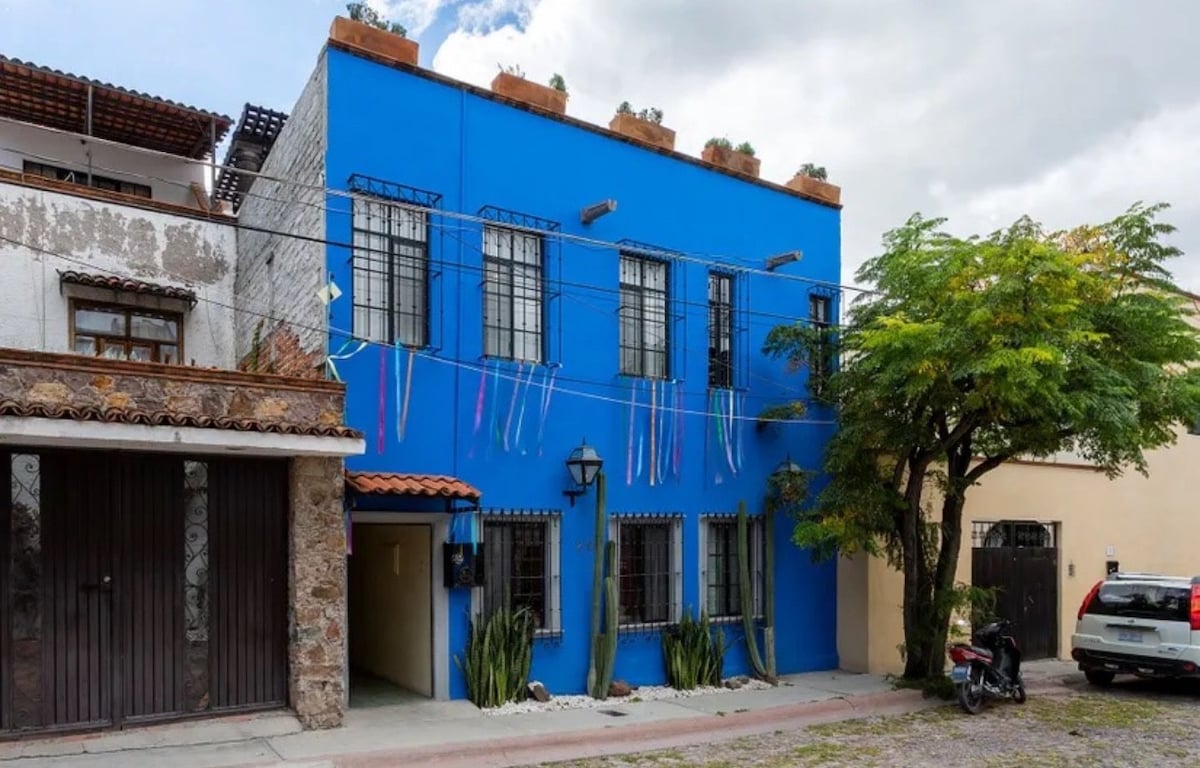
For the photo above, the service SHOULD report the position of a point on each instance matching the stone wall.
(137, 389)
(317, 592)
(279, 275)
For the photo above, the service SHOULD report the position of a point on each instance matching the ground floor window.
(649, 557)
(521, 562)
(721, 572)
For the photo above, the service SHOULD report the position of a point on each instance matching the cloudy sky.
(979, 111)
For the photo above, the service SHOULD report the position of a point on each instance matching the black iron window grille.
(720, 330)
(1013, 534)
(512, 294)
(643, 338)
(648, 565)
(390, 266)
(519, 564)
(820, 316)
(722, 572)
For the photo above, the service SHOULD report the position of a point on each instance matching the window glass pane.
(113, 350)
(645, 573)
(85, 345)
(517, 567)
(152, 327)
(140, 352)
(168, 353)
(101, 321)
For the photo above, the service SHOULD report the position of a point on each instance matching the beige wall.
(391, 608)
(1151, 524)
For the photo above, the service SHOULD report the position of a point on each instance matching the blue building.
(498, 283)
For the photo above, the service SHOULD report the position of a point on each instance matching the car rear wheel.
(1099, 677)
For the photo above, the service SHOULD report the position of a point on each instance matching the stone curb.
(596, 742)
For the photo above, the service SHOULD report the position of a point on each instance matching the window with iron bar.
(648, 562)
(721, 576)
(512, 294)
(820, 310)
(720, 330)
(31, 168)
(643, 339)
(390, 265)
(521, 562)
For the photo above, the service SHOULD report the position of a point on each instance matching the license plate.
(1129, 636)
(960, 673)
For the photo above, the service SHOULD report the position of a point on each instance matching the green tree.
(368, 15)
(971, 352)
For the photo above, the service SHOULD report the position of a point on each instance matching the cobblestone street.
(1135, 724)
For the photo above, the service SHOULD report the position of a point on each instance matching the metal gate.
(139, 587)
(1019, 559)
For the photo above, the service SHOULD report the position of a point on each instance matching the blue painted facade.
(474, 154)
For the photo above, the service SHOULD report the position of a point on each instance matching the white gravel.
(644, 693)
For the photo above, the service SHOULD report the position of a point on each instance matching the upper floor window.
(390, 265)
(722, 579)
(521, 562)
(820, 316)
(644, 343)
(126, 334)
(32, 168)
(512, 294)
(720, 330)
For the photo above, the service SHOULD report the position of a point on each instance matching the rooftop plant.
(512, 69)
(746, 148)
(720, 142)
(813, 172)
(649, 114)
(558, 82)
(368, 15)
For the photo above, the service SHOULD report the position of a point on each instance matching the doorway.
(1019, 559)
(391, 613)
(139, 587)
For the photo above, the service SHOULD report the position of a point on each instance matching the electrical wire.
(474, 367)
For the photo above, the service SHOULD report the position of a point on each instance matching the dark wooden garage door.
(1019, 560)
(139, 587)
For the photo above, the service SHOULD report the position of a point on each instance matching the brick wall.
(278, 276)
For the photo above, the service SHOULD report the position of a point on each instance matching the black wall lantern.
(583, 464)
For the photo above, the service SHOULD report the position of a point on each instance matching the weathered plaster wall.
(168, 177)
(65, 232)
(278, 276)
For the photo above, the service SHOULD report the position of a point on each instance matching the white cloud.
(415, 15)
(966, 109)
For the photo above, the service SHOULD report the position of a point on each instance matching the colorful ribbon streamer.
(653, 405)
(679, 418)
(547, 391)
(478, 409)
(379, 443)
(512, 404)
(399, 394)
(407, 392)
(629, 448)
(342, 354)
(524, 400)
(493, 423)
(741, 431)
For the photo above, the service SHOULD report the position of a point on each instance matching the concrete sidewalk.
(451, 734)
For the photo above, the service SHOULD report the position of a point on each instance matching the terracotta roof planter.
(810, 180)
(372, 41)
(721, 152)
(517, 88)
(644, 126)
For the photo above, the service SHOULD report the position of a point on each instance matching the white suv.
(1141, 624)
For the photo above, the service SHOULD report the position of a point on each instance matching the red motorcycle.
(989, 668)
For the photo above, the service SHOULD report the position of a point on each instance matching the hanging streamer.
(641, 435)
(478, 409)
(741, 431)
(512, 404)
(709, 419)
(407, 393)
(379, 443)
(524, 400)
(399, 394)
(677, 459)
(342, 354)
(629, 448)
(493, 423)
(729, 436)
(653, 409)
(547, 391)
(665, 426)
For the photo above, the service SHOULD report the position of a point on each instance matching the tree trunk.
(916, 581)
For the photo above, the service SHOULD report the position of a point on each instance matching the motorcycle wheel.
(1018, 694)
(970, 693)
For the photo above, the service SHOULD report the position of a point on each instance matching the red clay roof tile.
(118, 283)
(401, 484)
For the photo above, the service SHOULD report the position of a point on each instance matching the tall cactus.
(763, 670)
(604, 645)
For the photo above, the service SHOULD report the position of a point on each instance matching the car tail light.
(1195, 607)
(1096, 590)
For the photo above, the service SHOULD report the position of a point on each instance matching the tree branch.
(985, 466)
